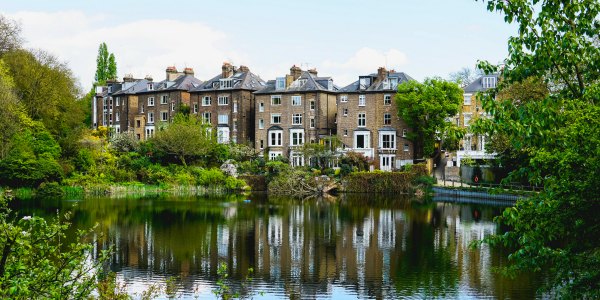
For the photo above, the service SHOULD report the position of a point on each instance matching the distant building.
(472, 145)
(227, 103)
(292, 110)
(368, 121)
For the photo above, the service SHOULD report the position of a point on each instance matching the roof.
(377, 85)
(130, 88)
(307, 82)
(182, 83)
(477, 84)
(241, 80)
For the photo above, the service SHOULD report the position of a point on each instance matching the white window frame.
(206, 116)
(275, 138)
(362, 100)
(273, 118)
(404, 132)
(164, 99)
(206, 101)
(345, 112)
(261, 107)
(297, 119)
(195, 108)
(151, 117)
(488, 82)
(223, 100)
(296, 100)
(296, 137)
(164, 116)
(367, 139)
(274, 154)
(466, 119)
(312, 122)
(172, 106)
(387, 99)
(150, 101)
(223, 135)
(467, 98)
(273, 100)
(117, 101)
(390, 144)
(117, 117)
(226, 83)
(406, 147)
(223, 119)
(280, 83)
(362, 116)
(313, 104)
(389, 115)
(261, 124)
(344, 98)
(235, 107)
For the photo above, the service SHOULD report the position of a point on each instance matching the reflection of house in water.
(303, 249)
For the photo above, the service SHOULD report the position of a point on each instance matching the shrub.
(50, 190)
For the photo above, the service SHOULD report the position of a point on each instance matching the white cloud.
(364, 61)
(144, 47)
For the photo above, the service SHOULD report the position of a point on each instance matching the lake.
(352, 246)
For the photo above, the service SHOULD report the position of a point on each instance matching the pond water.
(355, 246)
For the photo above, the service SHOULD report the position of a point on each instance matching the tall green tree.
(558, 229)
(10, 35)
(106, 66)
(425, 107)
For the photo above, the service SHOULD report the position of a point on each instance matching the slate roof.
(477, 85)
(241, 81)
(136, 87)
(376, 85)
(182, 83)
(307, 82)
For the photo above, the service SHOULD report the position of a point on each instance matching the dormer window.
(301, 82)
(165, 85)
(489, 82)
(364, 83)
(330, 85)
(226, 83)
(280, 83)
(150, 86)
(393, 83)
(110, 89)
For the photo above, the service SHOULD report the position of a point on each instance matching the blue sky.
(342, 39)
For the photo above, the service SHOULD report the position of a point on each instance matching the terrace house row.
(368, 120)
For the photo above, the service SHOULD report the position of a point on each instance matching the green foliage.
(425, 108)
(50, 190)
(34, 264)
(557, 135)
(106, 67)
(379, 182)
(353, 161)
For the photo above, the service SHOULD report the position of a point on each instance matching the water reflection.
(356, 246)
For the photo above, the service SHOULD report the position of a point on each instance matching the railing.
(487, 185)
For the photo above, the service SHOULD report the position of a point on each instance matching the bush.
(50, 190)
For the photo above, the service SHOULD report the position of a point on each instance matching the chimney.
(313, 71)
(188, 71)
(381, 73)
(244, 69)
(149, 78)
(227, 70)
(172, 73)
(128, 78)
(296, 72)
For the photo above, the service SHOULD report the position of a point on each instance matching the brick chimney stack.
(381, 73)
(227, 70)
(244, 69)
(296, 72)
(313, 71)
(188, 71)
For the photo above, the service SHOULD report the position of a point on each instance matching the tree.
(186, 138)
(465, 76)
(425, 107)
(106, 66)
(556, 230)
(322, 153)
(35, 263)
(10, 35)
(10, 111)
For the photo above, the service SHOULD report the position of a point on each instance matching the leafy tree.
(322, 153)
(106, 66)
(10, 111)
(35, 262)
(186, 138)
(425, 107)
(556, 229)
(10, 35)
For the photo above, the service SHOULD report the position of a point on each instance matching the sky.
(341, 39)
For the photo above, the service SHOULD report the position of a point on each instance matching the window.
(387, 99)
(138, 123)
(362, 99)
(164, 116)
(142, 109)
(117, 101)
(275, 100)
(235, 107)
(361, 140)
(275, 137)
(275, 118)
(235, 122)
(195, 108)
(149, 132)
(312, 122)
(387, 119)
(206, 101)
(312, 105)
(150, 117)
(393, 83)
(223, 119)
(261, 124)
(345, 132)
(362, 119)
(296, 137)
(296, 100)
(172, 106)
(386, 162)
(387, 141)
(404, 131)
(467, 99)
(261, 107)
(297, 159)
(274, 154)
(226, 83)
(280, 83)
(117, 116)
(110, 88)
(406, 148)
(206, 117)
(150, 101)
(489, 82)
(345, 112)
(364, 83)
(150, 86)
(164, 99)
(344, 98)
(223, 135)
(223, 100)
(297, 119)
(262, 144)
(467, 119)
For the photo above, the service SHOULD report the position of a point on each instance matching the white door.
(386, 162)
